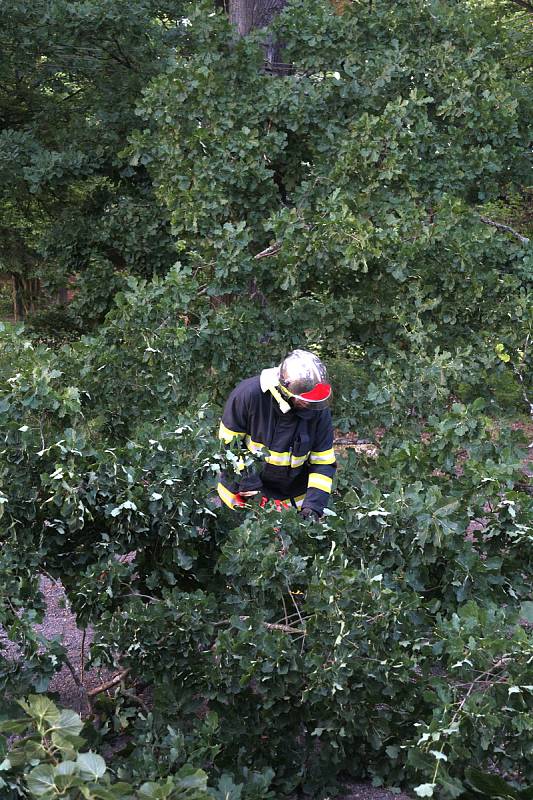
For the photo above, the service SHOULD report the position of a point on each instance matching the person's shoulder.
(325, 419)
(249, 388)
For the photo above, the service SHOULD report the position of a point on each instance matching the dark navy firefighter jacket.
(298, 461)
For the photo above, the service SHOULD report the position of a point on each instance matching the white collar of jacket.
(269, 380)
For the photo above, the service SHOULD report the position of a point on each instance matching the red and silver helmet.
(304, 378)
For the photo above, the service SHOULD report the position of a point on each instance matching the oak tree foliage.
(340, 205)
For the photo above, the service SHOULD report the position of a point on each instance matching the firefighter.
(282, 418)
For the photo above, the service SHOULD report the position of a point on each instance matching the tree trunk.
(62, 296)
(26, 292)
(18, 305)
(245, 15)
(241, 15)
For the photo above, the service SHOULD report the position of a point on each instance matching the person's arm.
(233, 428)
(322, 467)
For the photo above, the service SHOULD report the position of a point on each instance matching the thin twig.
(55, 581)
(295, 606)
(74, 674)
(79, 683)
(287, 620)
(138, 594)
(82, 655)
(518, 373)
(273, 626)
(524, 4)
(284, 609)
(136, 699)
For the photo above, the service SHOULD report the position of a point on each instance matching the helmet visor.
(316, 399)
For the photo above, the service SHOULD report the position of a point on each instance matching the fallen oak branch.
(271, 626)
(103, 687)
(273, 250)
(507, 228)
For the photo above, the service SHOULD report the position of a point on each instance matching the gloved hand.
(278, 503)
(310, 514)
(239, 501)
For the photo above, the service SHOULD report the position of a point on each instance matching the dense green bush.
(392, 639)
(312, 649)
(47, 761)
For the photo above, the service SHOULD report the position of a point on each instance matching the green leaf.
(67, 768)
(526, 610)
(191, 778)
(227, 789)
(425, 789)
(69, 722)
(91, 765)
(489, 785)
(41, 709)
(41, 780)
(13, 726)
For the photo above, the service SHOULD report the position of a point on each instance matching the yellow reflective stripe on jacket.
(298, 461)
(227, 435)
(318, 481)
(299, 500)
(279, 459)
(322, 456)
(285, 459)
(253, 447)
(226, 496)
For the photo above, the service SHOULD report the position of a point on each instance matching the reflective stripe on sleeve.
(226, 434)
(226, 496)
(253, 447)
(322, 456)
(318, 481)
(299, 500)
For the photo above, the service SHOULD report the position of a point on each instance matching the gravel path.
(59, 623)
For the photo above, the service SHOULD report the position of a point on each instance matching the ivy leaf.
(227, 789)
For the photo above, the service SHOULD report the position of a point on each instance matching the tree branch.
(103, 687)
(270, 626)
(500, 226)
(523, 4)
(273, 250)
